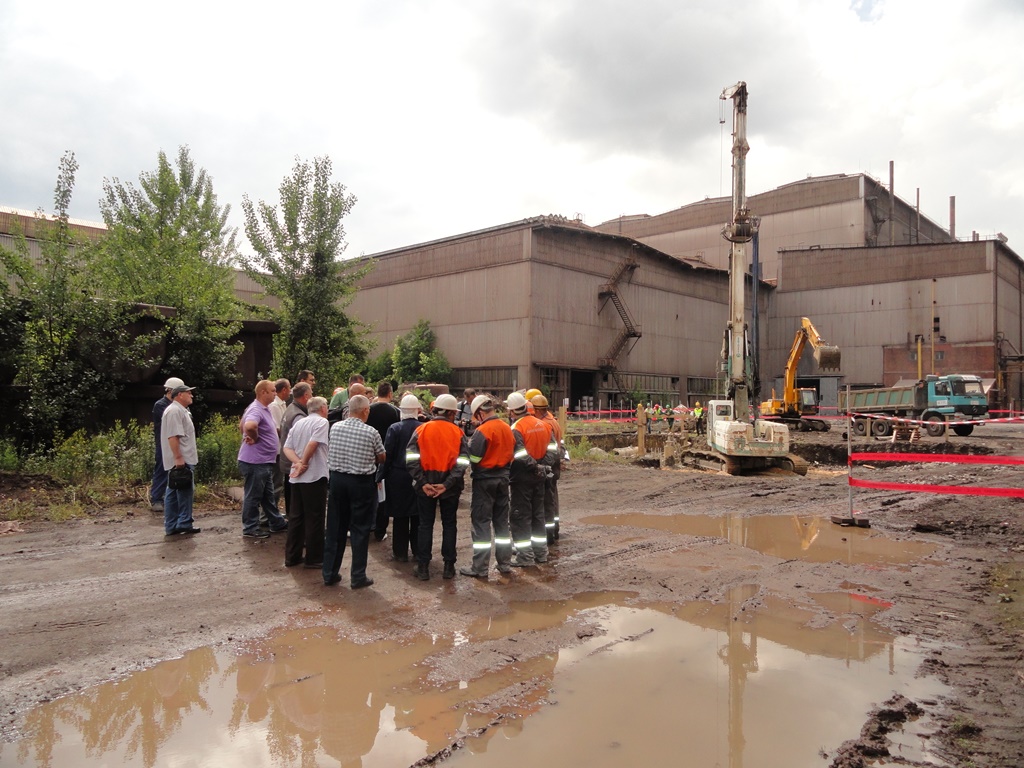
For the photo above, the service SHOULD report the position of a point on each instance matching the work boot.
(422, 571)
(449, 570)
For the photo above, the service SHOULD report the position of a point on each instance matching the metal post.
(849, 450)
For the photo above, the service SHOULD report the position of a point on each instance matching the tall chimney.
(952, 216)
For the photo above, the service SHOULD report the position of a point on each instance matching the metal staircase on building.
(630, 330)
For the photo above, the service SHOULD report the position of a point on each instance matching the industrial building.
(640, 303)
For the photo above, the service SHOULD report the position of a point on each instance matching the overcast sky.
(443, 116)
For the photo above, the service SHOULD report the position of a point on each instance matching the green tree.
(379, 368)
(298, 259)
(415, 357)
(169, 244)
(71, 344)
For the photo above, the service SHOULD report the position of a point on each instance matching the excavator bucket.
(827, 357)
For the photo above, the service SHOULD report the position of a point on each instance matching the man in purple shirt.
(257, 458)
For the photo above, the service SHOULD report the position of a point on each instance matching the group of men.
(328, 460)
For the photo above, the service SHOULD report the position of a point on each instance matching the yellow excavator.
(799, 407)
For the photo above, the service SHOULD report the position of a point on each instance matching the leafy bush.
(121, 455)
(9, 461)
(580, 450)
(218, 443)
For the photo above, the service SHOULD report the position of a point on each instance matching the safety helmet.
(410, 404)
(478, 401)
(531, 393)
(446, 403)
(539, 401)
(697, 405)
(173, 383)
(515, 402)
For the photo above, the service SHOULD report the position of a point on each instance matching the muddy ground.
(93, 599)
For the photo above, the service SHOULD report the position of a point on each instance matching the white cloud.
(442, 117)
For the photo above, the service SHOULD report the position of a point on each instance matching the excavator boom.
(796, 404)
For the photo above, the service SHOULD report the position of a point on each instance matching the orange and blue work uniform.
(437, 454)
(491, 449)
(534, 456)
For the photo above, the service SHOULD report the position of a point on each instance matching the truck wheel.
(860, 427)
(963, 429)
(881, 428)
(936, 425)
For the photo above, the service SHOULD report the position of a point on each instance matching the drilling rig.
(737, 442)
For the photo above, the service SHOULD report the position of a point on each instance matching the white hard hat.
(446, 403)
(516, 401)
(410, 404)
(173, 383)
(478, 401)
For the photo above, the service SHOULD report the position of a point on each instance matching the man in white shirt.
(306, 449)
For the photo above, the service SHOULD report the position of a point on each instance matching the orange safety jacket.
(556, 436)
(491, 448)
(437, 453)
(537, 436)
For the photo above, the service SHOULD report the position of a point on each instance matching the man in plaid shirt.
(354, 451)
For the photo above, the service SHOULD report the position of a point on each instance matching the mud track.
(91, 600)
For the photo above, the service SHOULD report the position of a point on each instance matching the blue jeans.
(178, 506)
(259, 493)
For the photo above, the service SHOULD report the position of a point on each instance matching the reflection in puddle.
(789, 537)
(746, 682)
(709, 691)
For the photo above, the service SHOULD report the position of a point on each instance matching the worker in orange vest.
(490, 452)
(551, 519)
(437, 458)
(535, 454)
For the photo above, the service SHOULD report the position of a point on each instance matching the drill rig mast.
(737, 443)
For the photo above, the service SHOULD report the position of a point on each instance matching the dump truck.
(798, 407)
(937, 401)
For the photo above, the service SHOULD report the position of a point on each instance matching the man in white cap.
(437, 459)
(393, 477)
(178, 438)
(159, 486)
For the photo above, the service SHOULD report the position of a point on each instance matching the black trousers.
(306, 522)
(350, 505)
(404, 533)
(427, 508)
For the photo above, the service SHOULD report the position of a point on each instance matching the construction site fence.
(624, 415)
(873, 457)
(828, 413)
(998, 416)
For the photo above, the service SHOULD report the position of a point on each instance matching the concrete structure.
(537, 302)
(823, 212)
(523, 304)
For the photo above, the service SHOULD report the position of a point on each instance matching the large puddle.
(789, 537)
(751, 681)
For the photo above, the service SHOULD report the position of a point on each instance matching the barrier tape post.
(850, 519)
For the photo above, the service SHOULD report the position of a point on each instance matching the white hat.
(173, 383)
(478, 401)
(516, 401)
(410, 407)
(446, 403)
